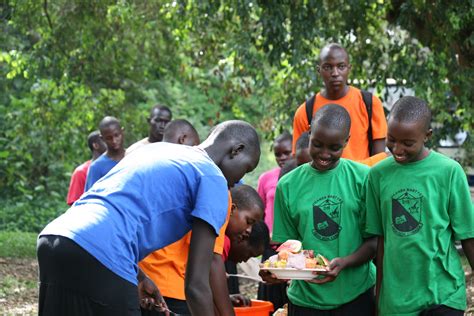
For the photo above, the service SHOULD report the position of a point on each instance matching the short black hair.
(245, 197)
(93, 138)
(285, 136)
(411, 109)
(289, 165)
(332, 46)
(177, 126)
(332, 116)
(236, 130)
(260, 235)
(160, 107)
(303, 141)
(107, 122)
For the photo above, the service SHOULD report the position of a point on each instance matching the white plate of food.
(293, 273)
(293, 263)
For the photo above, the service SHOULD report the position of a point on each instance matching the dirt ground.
(19, 293)
(19, 286)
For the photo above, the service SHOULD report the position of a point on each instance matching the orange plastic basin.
(258, 308)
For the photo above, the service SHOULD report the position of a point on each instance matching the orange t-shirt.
(167, 266)
(358, 147)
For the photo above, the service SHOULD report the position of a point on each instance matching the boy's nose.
(325, 155)
(397, 149)
(249, 230)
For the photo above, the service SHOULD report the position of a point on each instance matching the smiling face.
(241, 221)
(282, 151)
(334, 68)
(406, 141)
(326, 146)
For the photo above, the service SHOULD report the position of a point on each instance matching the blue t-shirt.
(99, 168)
(145, 203)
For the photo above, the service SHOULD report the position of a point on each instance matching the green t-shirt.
(326, 212)
(420, 208)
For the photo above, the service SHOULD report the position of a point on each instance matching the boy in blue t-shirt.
(112, 134)
(418, 202)
(88, 256)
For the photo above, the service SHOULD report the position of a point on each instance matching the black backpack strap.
(309, 109)
(367, 97)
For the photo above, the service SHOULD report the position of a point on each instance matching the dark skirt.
(73, 282)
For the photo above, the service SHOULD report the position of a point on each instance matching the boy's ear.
(236, 149)
(233, 208)
(182, 139)
(428, 135)
(347, 140)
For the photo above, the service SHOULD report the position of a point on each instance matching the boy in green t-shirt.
(322, 204)
(418, 201)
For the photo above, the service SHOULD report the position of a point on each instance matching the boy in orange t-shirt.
(167, 266)
(334, 68)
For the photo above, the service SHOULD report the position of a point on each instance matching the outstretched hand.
(335, 266)
(150, 297)
(270, 278)
(239, 300)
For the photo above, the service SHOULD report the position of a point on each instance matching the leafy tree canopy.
(66, 64)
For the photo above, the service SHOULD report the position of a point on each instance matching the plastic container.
(257, 308)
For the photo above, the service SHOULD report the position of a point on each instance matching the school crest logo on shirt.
(406, 212)
(326, 217)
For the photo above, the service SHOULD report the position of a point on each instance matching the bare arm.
(365, 253)
(378, 146)
(197, 288)
(220, 292)
(468, 248)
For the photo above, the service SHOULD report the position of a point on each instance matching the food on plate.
(291, 245)
(291, 255)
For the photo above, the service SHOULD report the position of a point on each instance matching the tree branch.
(45, 8)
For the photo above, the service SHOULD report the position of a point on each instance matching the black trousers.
(275, 293)
(441, 310)
(232, 283)
(73, 282)
(363, 305)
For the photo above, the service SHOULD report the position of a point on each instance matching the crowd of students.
(151, 226)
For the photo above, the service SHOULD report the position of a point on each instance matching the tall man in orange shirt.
(334, 68)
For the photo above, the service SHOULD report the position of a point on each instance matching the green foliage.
(15, 244)
(64, 65)
(30, 213)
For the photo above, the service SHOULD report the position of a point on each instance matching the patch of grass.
(18, 244)
(10, 285)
